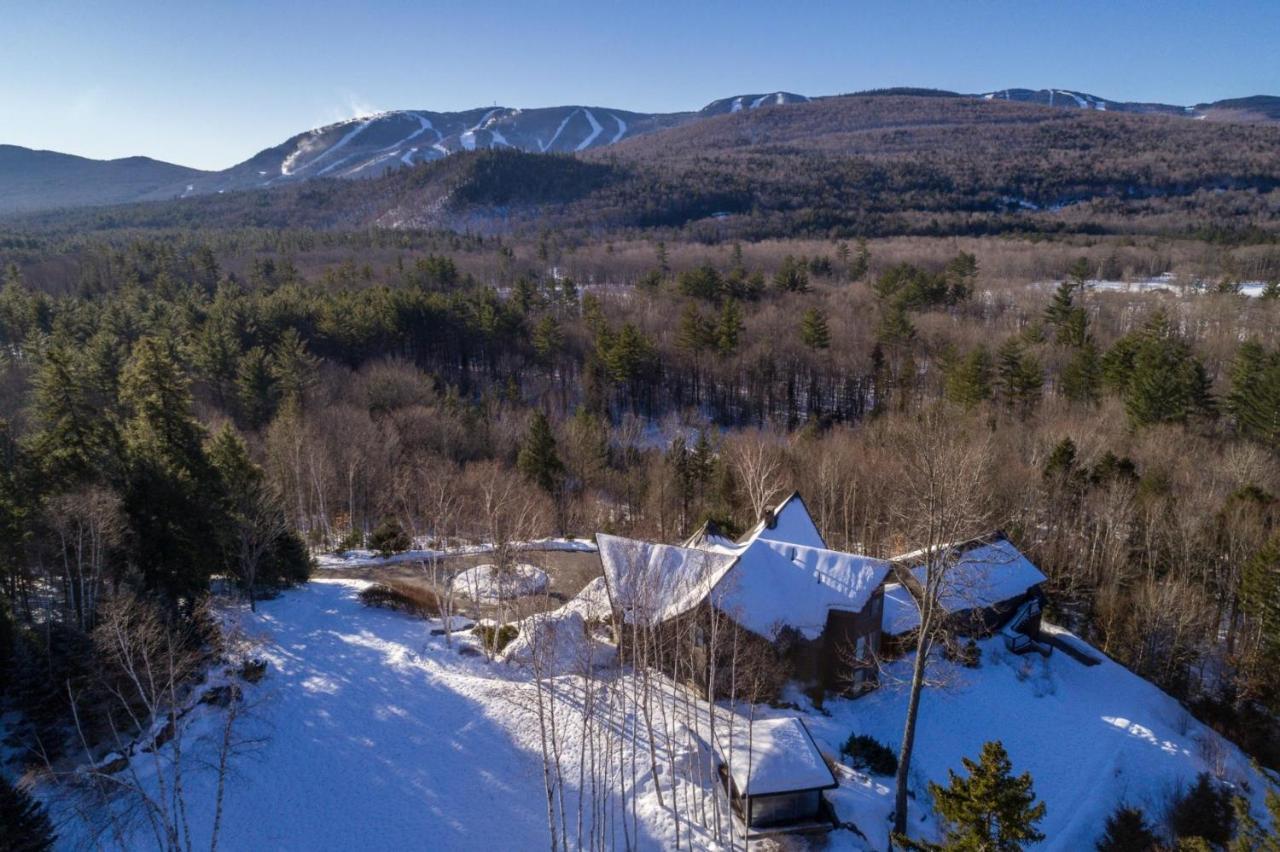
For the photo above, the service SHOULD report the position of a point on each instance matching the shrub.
(1127, 831)
(24, 825)
(966, 654)
(389, 538)
(351, 541)
(1204, 810)
(402, 597)
(870, 755)
(496, 638)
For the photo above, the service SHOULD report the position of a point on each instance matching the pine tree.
(255, 389)
(729, 327)
(1260, 596)
(1127, 831)
(173, 496)
(1061, 463)
(1204, 811)
(791, 277)
(74, 442)
(1081, 377)
(293, 367)
(814, 332)
(1019, 376)
(1061, 305)
(967, 381)
(24, 825)
(1078, 272)
(547, 339)
(961, 274)
(1250, 835)
(861, 262)
(989, 811)
(1168, 384)
(695, 332)
(1254, 398)
(538, 459)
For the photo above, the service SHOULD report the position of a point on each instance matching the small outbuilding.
(775, 777)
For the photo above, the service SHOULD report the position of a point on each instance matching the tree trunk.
(908, 743)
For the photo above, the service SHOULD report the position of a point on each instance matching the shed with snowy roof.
(775, 776)
(820, 610)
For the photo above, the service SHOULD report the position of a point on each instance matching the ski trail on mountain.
(285, 166)
(595, 131)
(559, 130)
(622, 128)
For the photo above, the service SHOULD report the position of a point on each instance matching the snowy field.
(1164, 283)
(376, 734)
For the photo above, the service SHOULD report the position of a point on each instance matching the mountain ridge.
(373, 145)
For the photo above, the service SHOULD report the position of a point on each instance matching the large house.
(819, 609)
(822, 612)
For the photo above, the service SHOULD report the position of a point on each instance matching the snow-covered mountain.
(370, 146)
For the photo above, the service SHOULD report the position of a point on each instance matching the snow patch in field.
(488, 584)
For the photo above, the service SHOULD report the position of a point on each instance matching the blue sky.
(210, 86)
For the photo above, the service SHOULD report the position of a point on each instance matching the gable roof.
(657, 582)
(788, 522)
(770, 756)
(774, 584)
(987, 571)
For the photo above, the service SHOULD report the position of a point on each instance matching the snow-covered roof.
(986, 573)
(656, 582)
(775, 584)
(791, 523)
(770, 756)
(780, 575)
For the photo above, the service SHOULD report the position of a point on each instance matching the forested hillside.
(869, 165)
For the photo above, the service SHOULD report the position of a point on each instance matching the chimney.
(770, 519)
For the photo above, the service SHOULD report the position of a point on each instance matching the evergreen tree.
(1127, 831)
(173, 497)
(293, 368)
(1078, 272)
(1250, 835)
(1204, 811)
(961, 274)
(255, 389)
(24, 825)
(1260, 596)
(74, 442)
(791, 277)
(1061, 463)
(814, 332)
(1061, 305)
(1168, 384)
(547, 339)
(729, 327)
(861, 263)
(989, 811)
(967, 381)
(694, 333)
(1019, 376)
(1254, 398)
(538, 459)
(389, 538)
(1081, 378)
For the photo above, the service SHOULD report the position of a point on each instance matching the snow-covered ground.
(1166, 282)
(379, 735)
